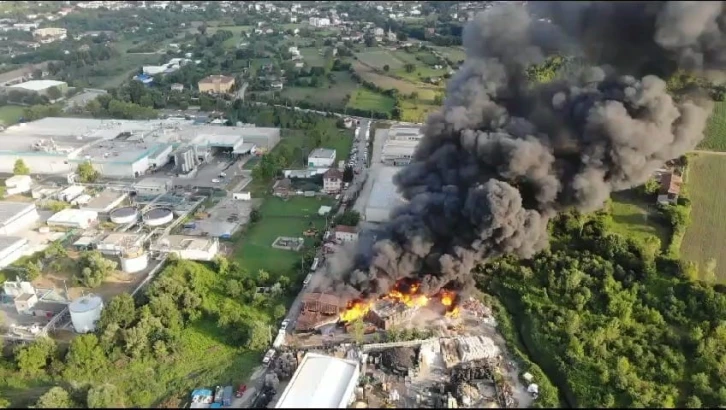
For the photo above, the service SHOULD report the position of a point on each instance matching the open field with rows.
(715, 139)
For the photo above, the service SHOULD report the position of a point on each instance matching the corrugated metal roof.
(320, 382)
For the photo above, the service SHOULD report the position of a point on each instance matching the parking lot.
(208, 175)
(225, 218)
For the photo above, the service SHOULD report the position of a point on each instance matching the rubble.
(476, 347)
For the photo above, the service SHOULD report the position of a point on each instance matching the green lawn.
(416, 111)
(368, 100)
(10, 114)
(455, 54)
(279, 218)
(335, 94)
(715, 139)
(115, 71)
(637, 218)
(378, 58)
(706, 234)
(313, 56)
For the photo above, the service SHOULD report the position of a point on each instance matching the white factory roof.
(38, 85)
(10, 210)
(72, 216)
(384, 193)
(320, 382)
(17, 180)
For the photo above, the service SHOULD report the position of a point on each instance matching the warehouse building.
(73, 218)
(16, 216)
(187, 247)
(321, 158)
(41, 87)
(401, 142)
(12, 248)
(321, 382)
(105, 202)
(153, 186)
(121, 148)
(384, 196)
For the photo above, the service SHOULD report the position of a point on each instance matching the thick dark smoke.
(503, 155)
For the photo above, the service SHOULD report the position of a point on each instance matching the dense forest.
(612, 325)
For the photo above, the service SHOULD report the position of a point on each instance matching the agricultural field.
(335, 94)
(379, 58)
(635, 217)
(454, 54)
(706, 234)
(279, 218)
(364, 99)
(10, 114)
(416, 111)
(715, 130)
(314, 56)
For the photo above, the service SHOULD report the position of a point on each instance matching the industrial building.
(16, 216)
(73, 218)
(153, 186)
(12, 248)
(321, 158)
(17, 184)
(400, 145)
(115, 243)
(41, 87)
(187, 247)
(105, 202)
(122, 148)
(384, 196)
(322, 382)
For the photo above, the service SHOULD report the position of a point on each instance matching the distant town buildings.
(216, 84)
(50, 34)
(319, 22)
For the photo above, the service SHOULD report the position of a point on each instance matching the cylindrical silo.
(85, 312)
(125, 215)
(134, 260)
(158, 217)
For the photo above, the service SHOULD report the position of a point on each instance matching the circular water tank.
(125, 215)
(85, 311)
(134, 260)
(158, 216)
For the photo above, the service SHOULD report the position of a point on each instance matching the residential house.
(50, 34)
(177, 87)
(216, 84)
(332, 181)
(670, 188)
(344, 233)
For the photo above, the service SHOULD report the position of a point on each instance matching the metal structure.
(125, 215)
(158, 217)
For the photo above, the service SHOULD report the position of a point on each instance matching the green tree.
(20, 168)
(258, 336)
(709, 272)
(358, 330)
(263, 277)
(93, 269)
(105, 396)
(348, 218)
(121, 310)
(34, 358)
(693, 402)
(386, 68)
(255, 215)
(54, 93)
(85, 359)
(651, 186)
(279, 311)
(56, 397)
(409, 67)
(87, 173)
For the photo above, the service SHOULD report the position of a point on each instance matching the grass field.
(10, 114)
(706, 235)
(335, 94)
(378, 58)
(715, 130)
(636, 218)
(115, 71)
(312, 56)
(455, 54)
(368, 100)
(416, 111)
(342, 142)
(279, 218)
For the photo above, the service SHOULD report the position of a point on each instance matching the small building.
(177, 87)
(670, 188)
(187, 247)
(216, 84)
(144, 79)
(73, 218)
(282, 188)
(321, 158)
(153, 186)
(115, 243)
(50, 34)
(242, 196)
(25, 303)
(71, 193)
(332, 181)
(277, 85)
(41, 87)
(12, 248)
(344, 233)
(105, 202)
(17, 184)
(16, 216)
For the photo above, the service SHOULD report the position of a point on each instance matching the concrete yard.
(224, 218)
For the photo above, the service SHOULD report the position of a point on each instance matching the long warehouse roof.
(319, 382)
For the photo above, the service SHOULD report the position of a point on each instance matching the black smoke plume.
(504, 155)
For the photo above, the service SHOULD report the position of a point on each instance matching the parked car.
(284, 324)
(241, 391)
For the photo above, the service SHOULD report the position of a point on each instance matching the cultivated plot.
(716, 130)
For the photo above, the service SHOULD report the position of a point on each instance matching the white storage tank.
(123, 216)
(134, 260)
(158, 217)
(85, 312)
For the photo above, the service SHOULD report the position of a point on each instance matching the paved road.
(253, 387)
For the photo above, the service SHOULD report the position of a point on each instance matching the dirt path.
(699, 151)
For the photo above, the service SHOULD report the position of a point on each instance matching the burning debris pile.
(504, 155)
(400, 359)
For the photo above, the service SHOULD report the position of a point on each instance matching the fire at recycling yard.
(414, 349)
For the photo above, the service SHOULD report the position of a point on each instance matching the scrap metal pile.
(400, 359)
(474, 370)
(284, 366)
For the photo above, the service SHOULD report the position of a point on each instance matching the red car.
(242, 389)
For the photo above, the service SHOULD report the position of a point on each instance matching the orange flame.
(355, 310)
(409, 299)
(453, 313)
